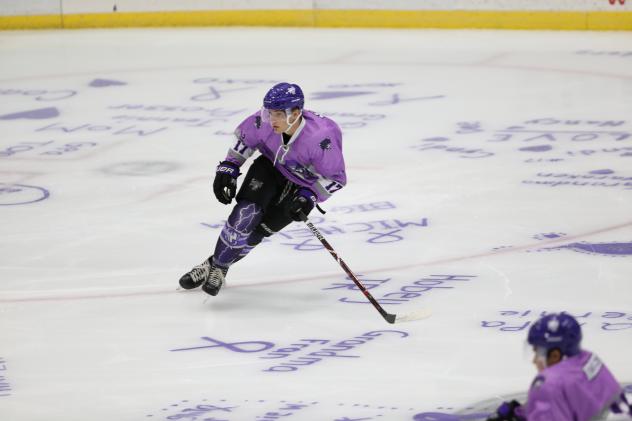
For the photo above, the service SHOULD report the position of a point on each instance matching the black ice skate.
(197, 276)
(215, 280)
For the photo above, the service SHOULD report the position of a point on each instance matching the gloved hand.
(303, 202)
(508, 411)
(225, 183)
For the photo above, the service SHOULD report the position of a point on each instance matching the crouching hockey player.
(301, 164)
(572, 384)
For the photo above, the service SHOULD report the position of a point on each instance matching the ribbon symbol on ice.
(259, 346)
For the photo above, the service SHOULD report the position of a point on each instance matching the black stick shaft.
(387, 316)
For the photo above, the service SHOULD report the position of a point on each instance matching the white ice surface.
(508, 154)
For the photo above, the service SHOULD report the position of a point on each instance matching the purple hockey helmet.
(556, 330)
(284, 96)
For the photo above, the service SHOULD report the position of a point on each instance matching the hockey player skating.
(572, 384)
(301, 164)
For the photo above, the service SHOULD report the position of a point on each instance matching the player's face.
(543, 359)
(539, 359)
(279, 120)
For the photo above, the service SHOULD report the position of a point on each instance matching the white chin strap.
(288, 113)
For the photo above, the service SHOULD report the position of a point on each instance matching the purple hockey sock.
(231, 244)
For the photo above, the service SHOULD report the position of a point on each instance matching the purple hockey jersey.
(312, 158)
(578, 388)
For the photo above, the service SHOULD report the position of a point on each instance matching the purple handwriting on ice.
(396, 99)
(440, 416)
(5, 386)
(606, 249)
(103, 83)
(40, 94)
(536, 148)
(38, 114)
(416, 289)
(596, 178)
(19, 194)
(338, 94)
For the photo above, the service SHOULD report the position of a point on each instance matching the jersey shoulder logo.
(537, 382)
(325, 144)
(258, 122)
(592, 367)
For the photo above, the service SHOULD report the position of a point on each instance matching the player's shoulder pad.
(322, 121)
(253, 121)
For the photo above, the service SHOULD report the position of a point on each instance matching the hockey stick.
(389, 317)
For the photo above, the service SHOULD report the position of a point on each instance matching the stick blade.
(413, 315)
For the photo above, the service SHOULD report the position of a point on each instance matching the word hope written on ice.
(406, 293)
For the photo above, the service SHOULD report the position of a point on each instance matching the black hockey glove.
(225, 183)
(302, 203)
(508, 411)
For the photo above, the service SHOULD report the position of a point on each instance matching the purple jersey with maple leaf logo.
(312, 158)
